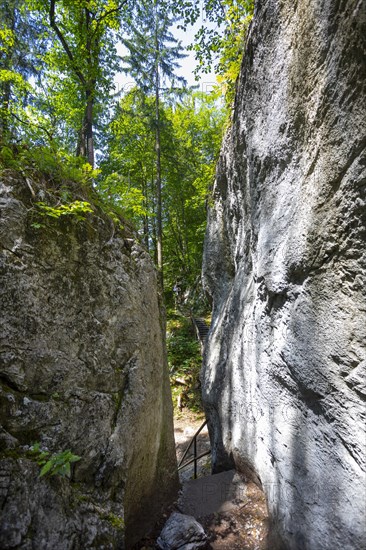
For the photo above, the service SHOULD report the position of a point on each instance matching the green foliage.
(56, 464)
(75, 208)
(127, 170)
(219, 42)
(7, 157)
(184, 359)
(38, 454)
(158, 154)
(15, 78)
(191, 131)
(184, 354)
(57, 166)
(69, 50)
(116, 521)
(129, 199)
(232, 47)
(61, 177)
(7, 39)
(197, 126)
(21, 50)
(153, 52)
(59, 464)
(152, 61)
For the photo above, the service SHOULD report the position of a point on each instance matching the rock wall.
(285, 263)
(82, 368)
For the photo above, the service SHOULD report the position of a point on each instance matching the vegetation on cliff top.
(147, 154)
(155, 146)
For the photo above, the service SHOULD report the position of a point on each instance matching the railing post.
(195, 457)
(190, 443)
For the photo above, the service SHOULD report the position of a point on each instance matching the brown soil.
(245, 528)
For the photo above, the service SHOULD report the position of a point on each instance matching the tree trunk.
(146, 232)
(6, 86)
(89, 139)
(5, 107)
(159, 222)
(89, 91)
(155, 240)
(85, 145)
(81, 146)
(146, 217)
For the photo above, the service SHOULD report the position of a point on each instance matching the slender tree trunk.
(146, 217)
(159, 221)
(89, 92)
(81, 146)
(85, 144)
(89, 138)
(155, 240)
(6, 86)
(5, 107)
(153, 220)
(146, 233)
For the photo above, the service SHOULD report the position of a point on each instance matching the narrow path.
(241, 524)
(244, 526)
(185, 426)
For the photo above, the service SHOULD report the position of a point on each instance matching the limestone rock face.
(285, 263)
(82, 368)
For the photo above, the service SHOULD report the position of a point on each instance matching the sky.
(188, 64)
(206, 82)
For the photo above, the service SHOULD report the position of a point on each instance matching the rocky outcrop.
(285, 263)
(82, 369)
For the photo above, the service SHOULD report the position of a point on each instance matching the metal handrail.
(195, 457)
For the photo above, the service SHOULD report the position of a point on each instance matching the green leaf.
(46, 468)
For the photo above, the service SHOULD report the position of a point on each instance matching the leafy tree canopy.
(191, 132)
(219, 41)
(156, 149)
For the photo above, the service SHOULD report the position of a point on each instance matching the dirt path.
(185, 426)
(245, 528)
(242, 528)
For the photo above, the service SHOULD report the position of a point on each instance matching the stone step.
(202, 328)
(213, 494)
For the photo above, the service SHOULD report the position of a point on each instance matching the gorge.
(285, 265)
(87, 452)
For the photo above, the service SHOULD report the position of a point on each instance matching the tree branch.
(115, 10)
(29, 123)
(65, 45)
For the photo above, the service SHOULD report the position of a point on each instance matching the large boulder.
(182, 532)
(285, 264)
(83, 368)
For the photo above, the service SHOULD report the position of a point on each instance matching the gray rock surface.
(83, 368)
(285, 263)
(182, 532)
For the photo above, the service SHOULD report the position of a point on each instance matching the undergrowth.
(55, 164)
(61, 184)
(184, 360)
